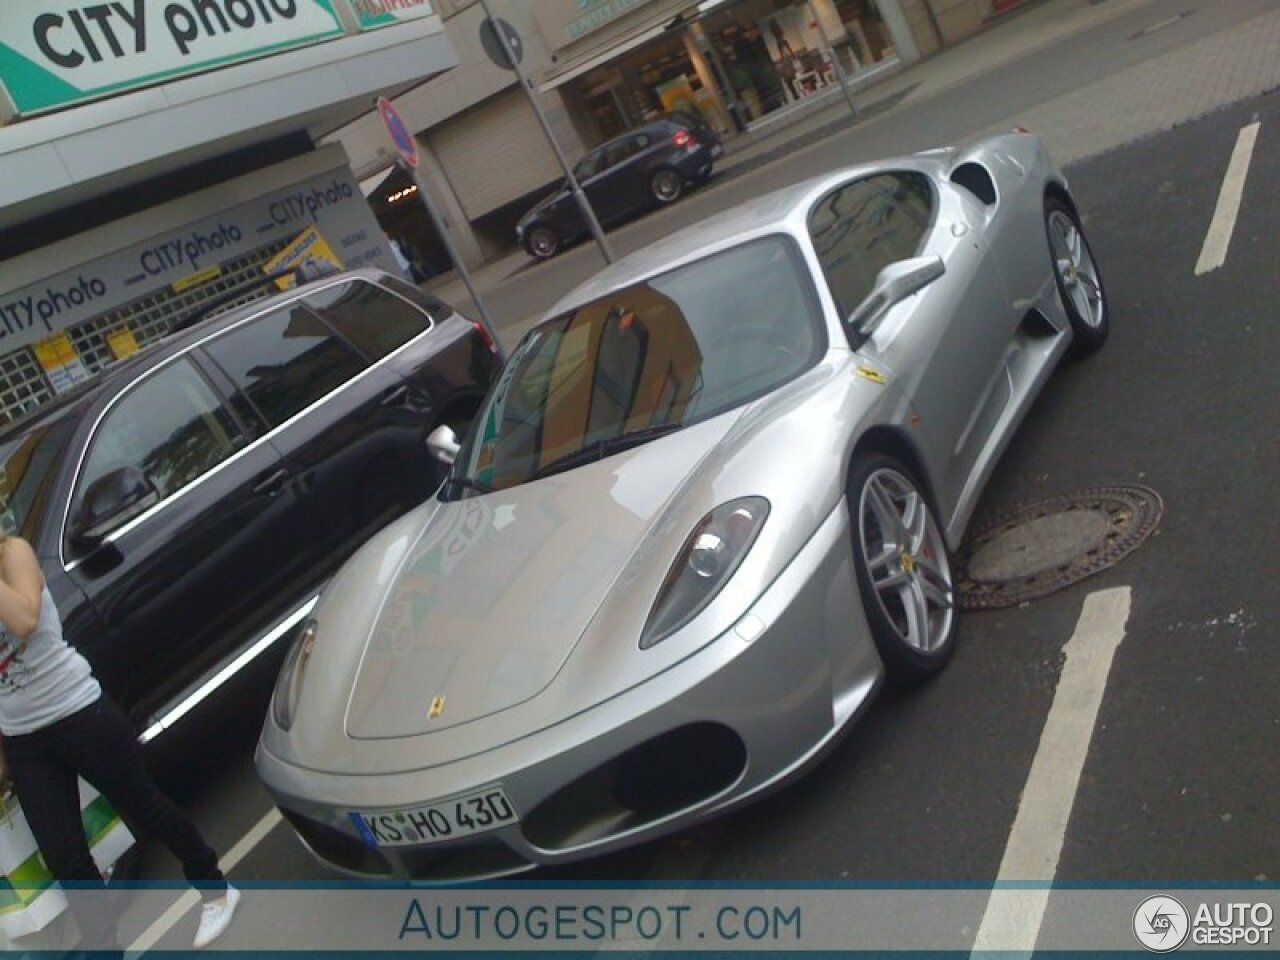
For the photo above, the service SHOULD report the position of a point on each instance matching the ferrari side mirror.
(894, 284)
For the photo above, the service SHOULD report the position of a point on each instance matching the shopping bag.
(29, 900)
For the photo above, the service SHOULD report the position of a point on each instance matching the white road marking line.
(1214, 252)
(1013, 916)
(151, 936)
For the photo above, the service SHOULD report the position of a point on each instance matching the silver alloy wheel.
(666, 185)
(543, 242)
(1075, 268)
(906, 560)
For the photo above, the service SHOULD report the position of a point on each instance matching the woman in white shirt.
(58, 725)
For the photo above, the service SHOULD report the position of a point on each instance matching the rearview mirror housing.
(894, 284)
(110, 502)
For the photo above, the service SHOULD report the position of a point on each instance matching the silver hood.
(490, 601)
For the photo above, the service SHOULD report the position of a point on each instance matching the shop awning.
(588, 60)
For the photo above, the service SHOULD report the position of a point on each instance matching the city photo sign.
(57, 52)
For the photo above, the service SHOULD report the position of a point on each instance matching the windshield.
(27, 461)
(645, 360)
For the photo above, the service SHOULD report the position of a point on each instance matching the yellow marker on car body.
(437, 708)
(870, 373)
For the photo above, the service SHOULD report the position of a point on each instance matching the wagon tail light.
(704, 565)
(485, 335)
(284, 702)
(683, 138)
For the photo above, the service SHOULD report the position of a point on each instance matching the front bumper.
(762, 701)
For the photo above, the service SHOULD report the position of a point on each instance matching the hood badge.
(437, 707)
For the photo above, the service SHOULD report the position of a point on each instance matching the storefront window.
(740, 61)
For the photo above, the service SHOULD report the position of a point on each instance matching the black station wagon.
(188, 504)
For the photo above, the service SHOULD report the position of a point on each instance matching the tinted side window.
(862, 227)
(285, 361)
(171, 426)
(589, 165)
(621, 151)
(375, 321)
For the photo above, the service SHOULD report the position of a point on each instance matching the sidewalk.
(1017, 34)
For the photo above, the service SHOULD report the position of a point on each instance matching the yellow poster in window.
(122, 343)
(310, 245)
(60, 362)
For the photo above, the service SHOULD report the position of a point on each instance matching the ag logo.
(1161, 924)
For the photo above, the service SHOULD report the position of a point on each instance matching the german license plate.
(461, 816)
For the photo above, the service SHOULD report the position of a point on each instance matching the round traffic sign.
(500, 41)
(404, 141)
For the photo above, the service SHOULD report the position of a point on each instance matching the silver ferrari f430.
(707, 506)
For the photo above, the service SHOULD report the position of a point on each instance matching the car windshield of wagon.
(27, 462)
(645, 360)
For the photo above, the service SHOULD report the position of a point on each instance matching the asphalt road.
(1181, 775)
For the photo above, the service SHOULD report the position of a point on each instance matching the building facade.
(155, 156)
(599, 67)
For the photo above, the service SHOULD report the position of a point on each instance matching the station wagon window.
(171, 426)
(860, 228)
(373, 320)
(284, 362)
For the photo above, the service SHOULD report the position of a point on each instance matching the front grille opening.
(338, 848)
(669, 773)
(473, 859)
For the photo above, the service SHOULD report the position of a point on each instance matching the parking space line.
(1013, 916)
(1214, 252)
(151, 936)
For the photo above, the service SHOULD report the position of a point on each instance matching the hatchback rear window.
(375, 321)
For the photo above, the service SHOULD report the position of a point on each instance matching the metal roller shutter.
(494, 153)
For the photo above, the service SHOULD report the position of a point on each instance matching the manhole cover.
(1046, 546)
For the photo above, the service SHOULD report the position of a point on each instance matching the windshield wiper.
(599, 449)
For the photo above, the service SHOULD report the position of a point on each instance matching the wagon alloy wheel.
(1077, 276)
(666, 186)
(544, 242)
(904, 573)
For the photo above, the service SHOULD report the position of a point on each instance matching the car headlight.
(284, 702)
(705, 563)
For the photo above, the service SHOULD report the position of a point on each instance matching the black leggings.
(96, 743)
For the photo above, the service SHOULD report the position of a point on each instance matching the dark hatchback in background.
(188, 504)
(648, 166)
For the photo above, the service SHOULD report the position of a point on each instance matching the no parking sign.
(404, 141)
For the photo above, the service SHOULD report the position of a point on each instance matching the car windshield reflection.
(644, 361)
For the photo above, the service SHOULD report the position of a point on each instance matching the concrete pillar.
(707, 77)
(904, 42)
(463, 238)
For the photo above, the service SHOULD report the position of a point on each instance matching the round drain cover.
(1046, 546)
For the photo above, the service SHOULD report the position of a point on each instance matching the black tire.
(1078, 278)
(543, 241)
(666, 185)
(911, 655)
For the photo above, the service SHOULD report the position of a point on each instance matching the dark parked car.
(650, 165)
(189, 503)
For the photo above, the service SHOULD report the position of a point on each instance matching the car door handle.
(396, 397)
(406, 397)
(272, 485)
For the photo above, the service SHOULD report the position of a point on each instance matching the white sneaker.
(215, 917)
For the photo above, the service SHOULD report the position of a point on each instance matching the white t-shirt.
(42, 679)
